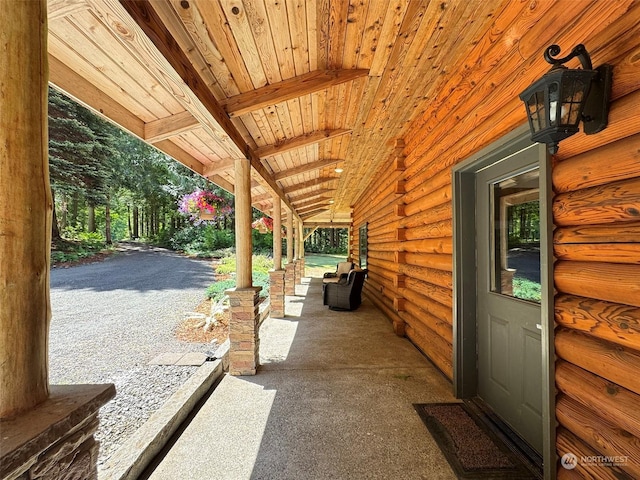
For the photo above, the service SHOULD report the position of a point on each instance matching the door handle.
(539, 326)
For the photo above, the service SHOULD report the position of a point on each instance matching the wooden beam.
(310, 208)
(226, 164)
(308, 203)
(299, 142)
(311, 183)
(308, 195)
(328, 224)
(168, 127)
(85, 93)
(308, 167)
(62, 8)
(288, 89)
(216, 120)
(314, 213)
(310, 233)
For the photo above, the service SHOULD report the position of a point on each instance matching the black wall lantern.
(558, 101)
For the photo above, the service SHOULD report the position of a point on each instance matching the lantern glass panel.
(573, 93)
(537, 111)
(554, 97)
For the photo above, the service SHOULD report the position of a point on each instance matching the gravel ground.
(109, 319)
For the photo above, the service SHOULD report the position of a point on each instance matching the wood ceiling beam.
(62, 8)
(313, 213)
(288, 89)
(85, 93)
(168, 127)
(308, 167)
(328, 224)
(312, 207)
(148, 20)
(261, 198)
(306, 196)
(218, 167)
(299, 142)
(311, 183)
(307, 203)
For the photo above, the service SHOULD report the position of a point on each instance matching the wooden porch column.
(243, 222)
(243, 300)
(276, 276)
(300, 249)
(277, 233)
(25, 207)
(290, 268)
(45, 430)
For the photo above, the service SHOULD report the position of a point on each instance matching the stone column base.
(243, 330)
(55, 438)
(276, 293)
(290, 279)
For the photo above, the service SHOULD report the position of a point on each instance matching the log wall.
(596, 210)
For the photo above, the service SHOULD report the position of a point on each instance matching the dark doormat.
(472, 450)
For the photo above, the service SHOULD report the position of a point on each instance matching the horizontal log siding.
(596, 210)
(597, 275)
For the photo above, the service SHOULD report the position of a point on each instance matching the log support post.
(290, 275)
(243, 300)
(277, 275)
(300, 251)
(47, 431)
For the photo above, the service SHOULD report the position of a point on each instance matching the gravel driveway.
(109, 319)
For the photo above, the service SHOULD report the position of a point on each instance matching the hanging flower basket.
(202, 205)
(263, 225)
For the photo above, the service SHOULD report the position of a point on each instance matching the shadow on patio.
(332, 399)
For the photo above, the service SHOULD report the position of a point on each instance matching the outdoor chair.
(343, 268)
(345, 294)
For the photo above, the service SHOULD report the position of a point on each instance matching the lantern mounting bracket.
(579, 51)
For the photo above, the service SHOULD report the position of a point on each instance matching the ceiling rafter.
(311, 183)
(300, 142)
(288, 90)
(307, 167)
(150, 23)
(168, 127)
(218, 167)
(307, 203)
(313, 213)
(309, 195)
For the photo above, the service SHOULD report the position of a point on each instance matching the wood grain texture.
(613, 322)
(617, 283)
(25, 210)
(599, 434)
(612, 402)
(607, 360)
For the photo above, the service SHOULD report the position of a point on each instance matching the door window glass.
(516, 237)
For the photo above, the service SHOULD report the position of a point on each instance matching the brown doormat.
(472, 450)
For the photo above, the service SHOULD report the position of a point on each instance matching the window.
(362, 250)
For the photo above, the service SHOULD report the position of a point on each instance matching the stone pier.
(243, 330)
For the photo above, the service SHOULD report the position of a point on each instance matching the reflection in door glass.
(516, 237)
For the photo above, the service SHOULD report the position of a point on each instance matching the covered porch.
(332, 398)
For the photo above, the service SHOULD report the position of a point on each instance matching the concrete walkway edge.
(130, 460)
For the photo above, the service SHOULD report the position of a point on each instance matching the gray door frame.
(465, 378)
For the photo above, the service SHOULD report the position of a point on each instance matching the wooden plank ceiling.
(299, 87)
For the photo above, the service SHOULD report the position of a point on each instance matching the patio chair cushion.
(342, 268)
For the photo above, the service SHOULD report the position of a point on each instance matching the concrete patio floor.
(332, 400)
